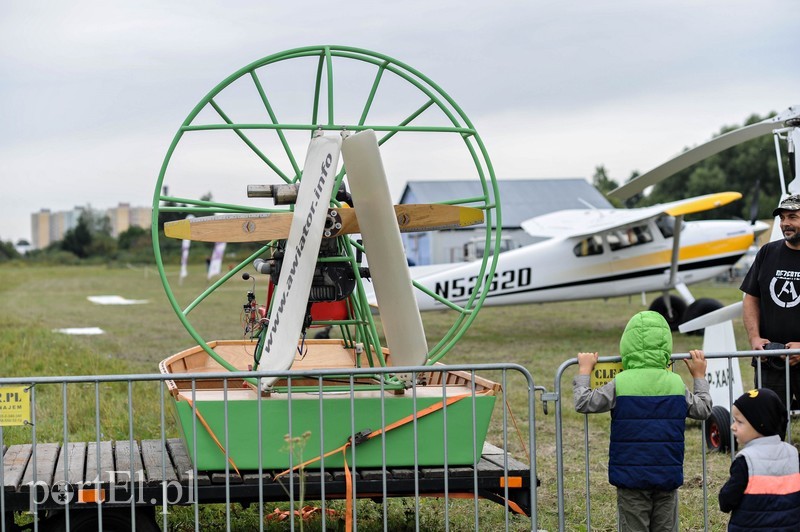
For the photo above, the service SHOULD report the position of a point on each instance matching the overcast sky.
(92, 92)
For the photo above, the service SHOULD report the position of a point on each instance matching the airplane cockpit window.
(589, 246)
(666, 224)
(631, 236)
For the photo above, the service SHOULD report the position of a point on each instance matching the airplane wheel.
(678, 308)
(701, 306)
(718, 433)
(254, 127)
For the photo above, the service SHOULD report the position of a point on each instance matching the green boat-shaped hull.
(313, 424)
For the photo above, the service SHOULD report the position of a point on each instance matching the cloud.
(93, 91)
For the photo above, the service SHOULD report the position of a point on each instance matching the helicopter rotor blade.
(698, 153)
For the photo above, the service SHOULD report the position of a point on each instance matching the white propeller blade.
(731, 312)
(302, 248)
(402, 323)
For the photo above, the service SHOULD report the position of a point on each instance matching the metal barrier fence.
(556, 396)
(100, 452)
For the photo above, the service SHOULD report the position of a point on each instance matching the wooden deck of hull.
(320, 354)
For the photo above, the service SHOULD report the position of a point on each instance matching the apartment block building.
(48, 227)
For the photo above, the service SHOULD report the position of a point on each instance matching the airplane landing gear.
(681, 313)
(677, 307)
(701, 306)
(718, 430)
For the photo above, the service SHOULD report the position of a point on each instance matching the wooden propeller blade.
(263, 227)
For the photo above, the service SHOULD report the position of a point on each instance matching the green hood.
(646, 342)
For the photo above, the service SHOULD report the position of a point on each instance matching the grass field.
(34, 301)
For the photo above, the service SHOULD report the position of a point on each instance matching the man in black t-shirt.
(771, 306)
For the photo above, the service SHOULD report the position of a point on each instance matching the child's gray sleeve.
(588, 401)
(699, 402)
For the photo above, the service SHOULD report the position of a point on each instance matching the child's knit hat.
(764, 410)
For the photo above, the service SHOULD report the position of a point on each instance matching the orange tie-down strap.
(511, 504)
(361, 437)
(305, 513)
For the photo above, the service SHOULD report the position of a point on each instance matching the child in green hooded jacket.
(649, 405)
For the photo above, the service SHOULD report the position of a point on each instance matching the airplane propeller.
(402, 323)
(290, 303)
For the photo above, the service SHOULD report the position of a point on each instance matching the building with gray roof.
(520, 199)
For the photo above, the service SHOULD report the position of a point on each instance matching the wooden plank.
(218, 477)
(183, 465)
(46, 457)
(251, 227)
(106, 462)
(75, 456)
(404, 473)
(452, 472)
(340, 475)
(489, 449)
(255, 478)
(420, 217)
(124, 459)
(513, 464)
(375, 474)
(152, 453)
(15, 461)
(496, 455)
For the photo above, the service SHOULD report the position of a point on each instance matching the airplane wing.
(581, 223)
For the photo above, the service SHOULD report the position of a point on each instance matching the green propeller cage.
(415, 106)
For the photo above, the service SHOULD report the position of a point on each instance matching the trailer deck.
(44, 483)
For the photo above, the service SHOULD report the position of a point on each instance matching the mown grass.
(34, 301)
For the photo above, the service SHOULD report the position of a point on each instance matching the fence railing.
(558, 396)
(92, 451)
(96, 451)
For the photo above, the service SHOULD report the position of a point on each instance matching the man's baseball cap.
(791, 203)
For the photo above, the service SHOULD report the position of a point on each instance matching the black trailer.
(129, 490)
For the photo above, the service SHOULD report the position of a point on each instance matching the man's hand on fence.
(757, 344)
(793, 359)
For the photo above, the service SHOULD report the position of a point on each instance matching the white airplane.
(603, 253)
(600, 253)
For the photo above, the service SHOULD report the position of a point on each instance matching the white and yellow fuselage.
(564, 268)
